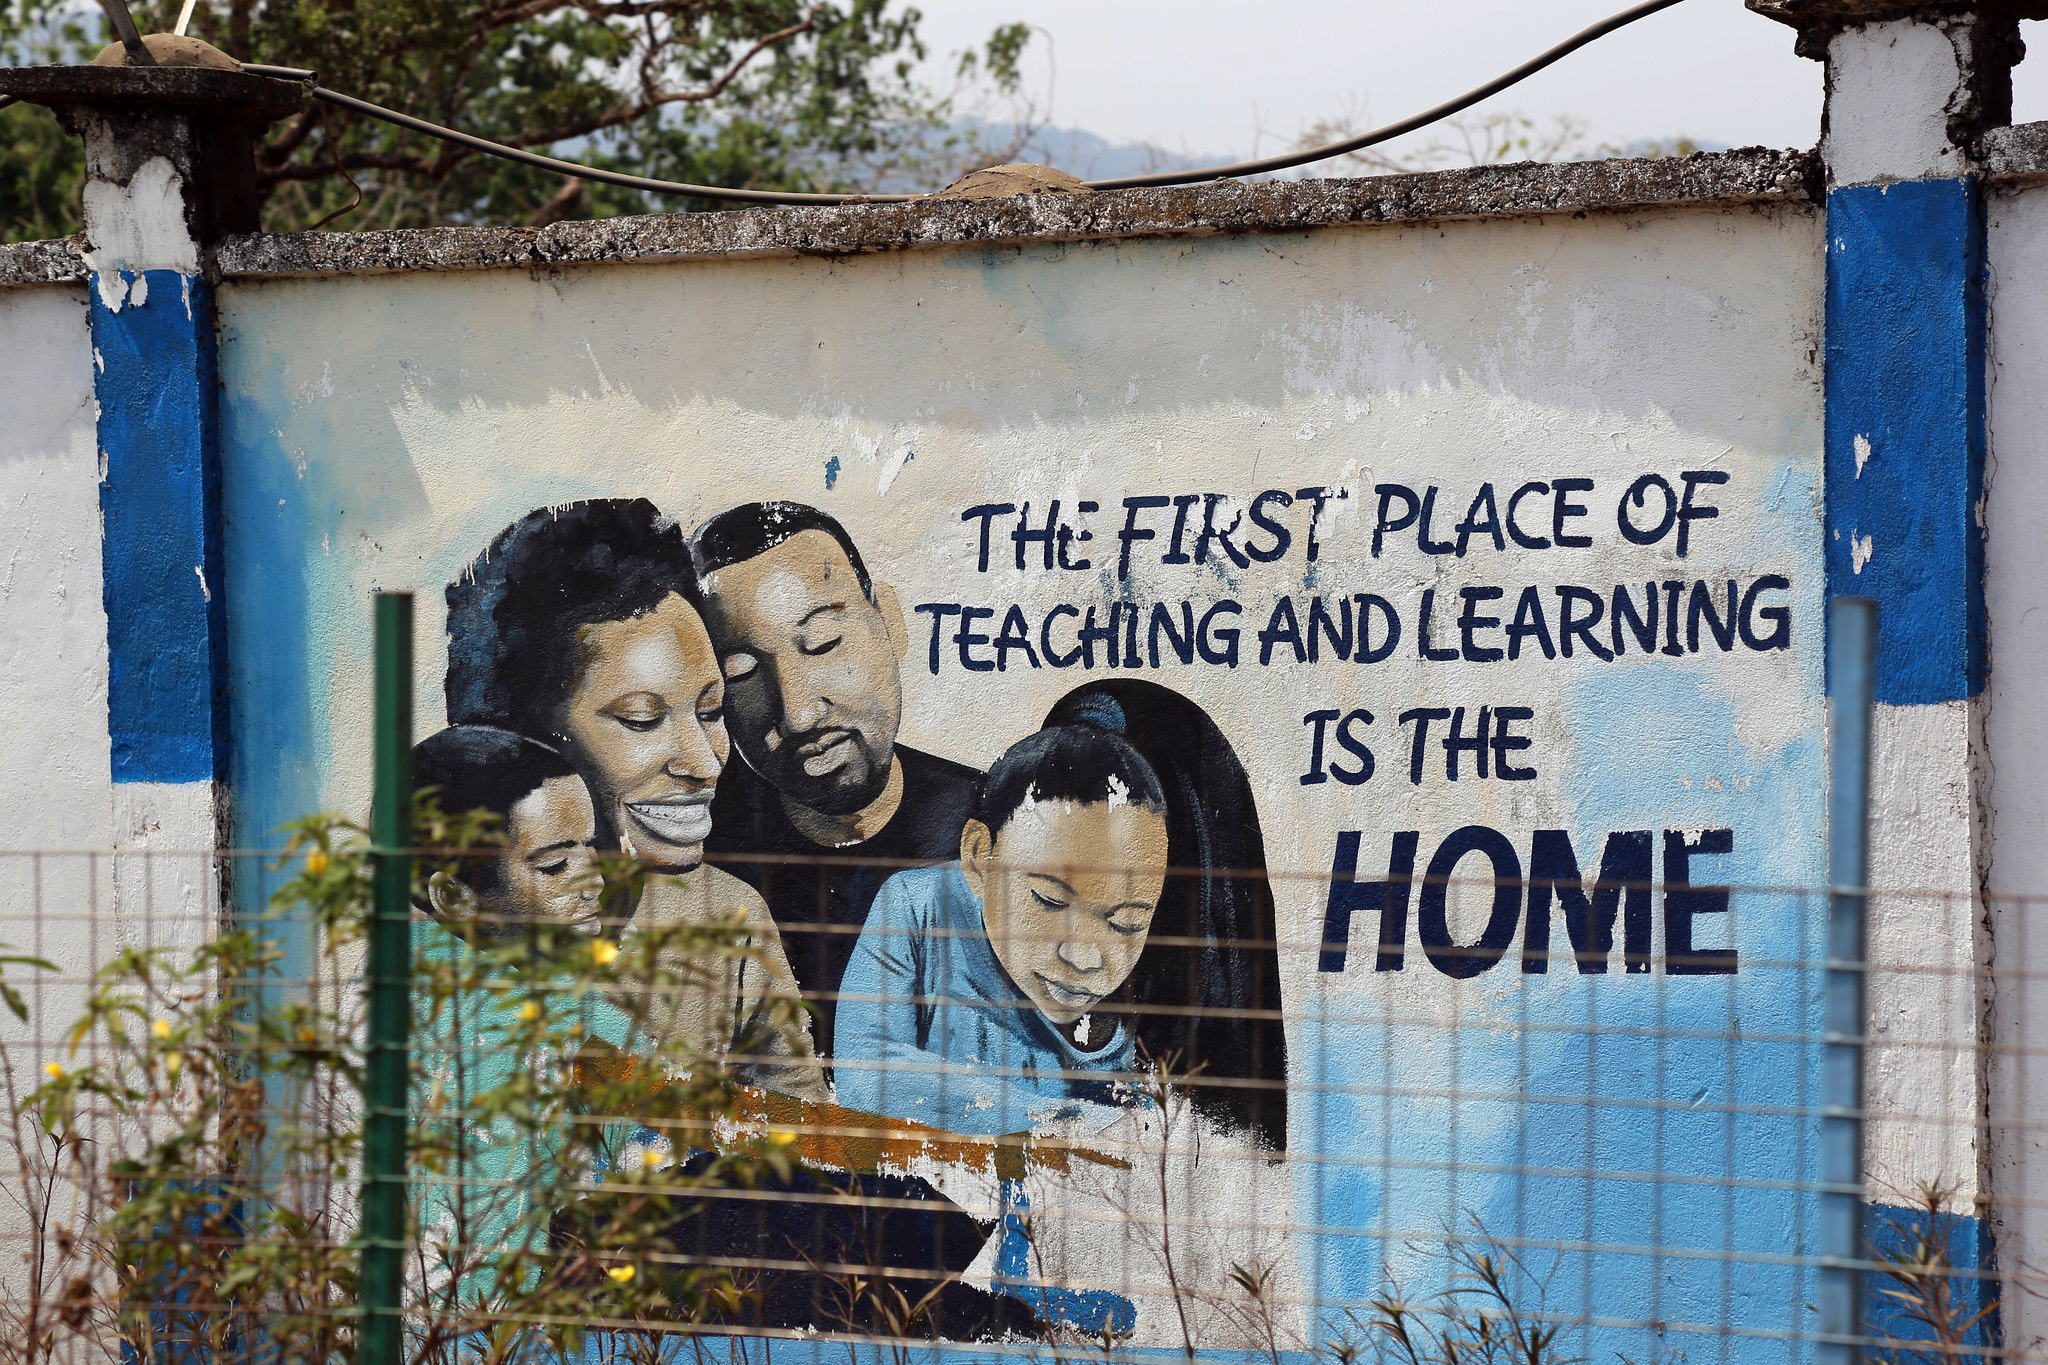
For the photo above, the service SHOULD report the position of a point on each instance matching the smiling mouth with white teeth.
(681, 820)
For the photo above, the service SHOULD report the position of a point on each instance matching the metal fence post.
(390, 989)
(1852, 667)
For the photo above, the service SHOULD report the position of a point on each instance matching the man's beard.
(851, 787)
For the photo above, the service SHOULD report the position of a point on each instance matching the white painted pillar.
(1908, 88)
(168, 170)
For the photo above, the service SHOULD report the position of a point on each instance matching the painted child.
(980, 994)
(544, 874)
(545, 870)
(542, 879)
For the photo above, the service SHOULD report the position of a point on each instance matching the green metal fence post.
(390, 989)
(1852, 672)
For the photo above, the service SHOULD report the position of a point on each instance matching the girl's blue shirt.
(930, 1027)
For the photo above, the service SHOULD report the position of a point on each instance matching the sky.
(1231, 78)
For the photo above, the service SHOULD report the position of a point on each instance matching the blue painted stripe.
(159, 400)
(1900, 1236)
(1905, 427)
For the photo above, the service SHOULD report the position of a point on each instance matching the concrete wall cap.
(180, 86)
(1842, 13)
(60, 260)
(1722, 179)
(1818, 21)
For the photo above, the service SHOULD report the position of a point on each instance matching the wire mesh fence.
(1042, 1113)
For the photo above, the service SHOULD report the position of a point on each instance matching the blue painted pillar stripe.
(159, 401)
(1905, 427)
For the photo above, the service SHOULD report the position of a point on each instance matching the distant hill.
(1074, 150)
(1094, 157)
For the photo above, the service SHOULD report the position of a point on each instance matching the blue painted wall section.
(159, 406)
(1905, 427)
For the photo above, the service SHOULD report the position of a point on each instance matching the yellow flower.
(173, 1060)
(620, 1274)
(316, 862)
(781, 1137)
(604, 952)
(650, 1157)
(307, 1035)
(54, 1072)
(161, 1028)
(530, 1011)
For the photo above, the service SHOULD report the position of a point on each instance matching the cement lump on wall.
(1012, 178)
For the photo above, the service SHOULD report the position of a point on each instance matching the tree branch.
(632, 112)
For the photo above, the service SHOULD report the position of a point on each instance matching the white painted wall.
(53, 686)
(1924, 1077)
(2016, 740)
(53, 629)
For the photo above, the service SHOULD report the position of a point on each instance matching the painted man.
(810, 645)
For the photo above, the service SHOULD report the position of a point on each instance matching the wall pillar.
(1909, 87)
(168, 172)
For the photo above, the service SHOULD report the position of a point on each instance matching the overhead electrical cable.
(1260, 166)
(549, 163)
(1289, 160)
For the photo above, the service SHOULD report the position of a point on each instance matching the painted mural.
(1376, 674)
(984, 955)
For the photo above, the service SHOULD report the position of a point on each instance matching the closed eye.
(812, 651)
(553, 869)
(1128, 929)
(1048, 902)
(641, 724)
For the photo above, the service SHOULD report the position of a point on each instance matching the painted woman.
(579, 626)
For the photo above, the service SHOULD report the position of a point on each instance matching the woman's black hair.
(514, 612)
(478, 768)
(1209, 996)
(1085, 764)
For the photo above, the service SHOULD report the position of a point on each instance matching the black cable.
(1407, 125)
(1262, 166)
(548, 163)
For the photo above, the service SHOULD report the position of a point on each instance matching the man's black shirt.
(821, 909)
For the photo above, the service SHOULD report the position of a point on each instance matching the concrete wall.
(2017, 877)
(53, 687)
(381, 430)
(390, 402)
(1267, 360)
(52, 626)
